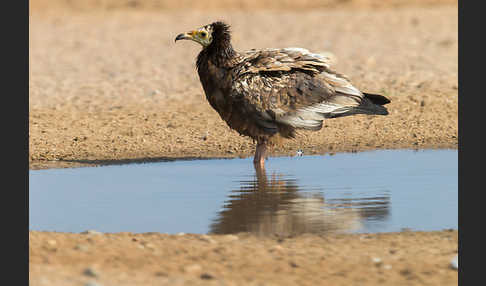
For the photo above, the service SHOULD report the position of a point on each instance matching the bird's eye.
(204, 34)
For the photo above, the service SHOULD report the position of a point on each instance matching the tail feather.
(376, 98)
(369, 105)
(370, 109)
(310, 118)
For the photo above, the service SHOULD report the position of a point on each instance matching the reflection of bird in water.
(276, 207)
(374, 208)
(263, 93)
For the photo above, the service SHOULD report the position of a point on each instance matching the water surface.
(376, 191)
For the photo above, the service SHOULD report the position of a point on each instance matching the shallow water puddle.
(376, 191)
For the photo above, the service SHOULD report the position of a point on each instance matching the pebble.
(275, 248)
(193, 268)
(161, 274)
(149, 245)
(154, 92)
(376, 260)
(81, 247)
(51, 242)
(230, 237)
(207, 238)
(455, 262)
(299, 152)
(90, 272)
(93, 232)
(206, 276)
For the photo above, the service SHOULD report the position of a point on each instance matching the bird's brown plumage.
(262, 93)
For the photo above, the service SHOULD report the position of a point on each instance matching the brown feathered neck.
(219, 52)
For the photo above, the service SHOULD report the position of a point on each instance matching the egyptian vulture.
(269, 92)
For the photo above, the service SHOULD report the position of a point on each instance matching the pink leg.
(259, 160)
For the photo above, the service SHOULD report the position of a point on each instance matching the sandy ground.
(113, 86)
(110, 86)
(406, 258)
(223, 5)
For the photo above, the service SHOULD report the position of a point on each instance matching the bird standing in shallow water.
(269, 92)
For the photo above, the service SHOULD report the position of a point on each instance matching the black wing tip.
(383, 111)
(377, 99)
(375, 109)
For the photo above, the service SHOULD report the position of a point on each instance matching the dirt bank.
(406, 258)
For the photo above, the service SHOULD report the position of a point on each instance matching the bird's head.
(205, 35)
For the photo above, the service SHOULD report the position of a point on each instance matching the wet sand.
(110, 86)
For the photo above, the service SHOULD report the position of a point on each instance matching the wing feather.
(294, 86)
(283, 60)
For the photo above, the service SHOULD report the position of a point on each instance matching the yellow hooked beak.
(201, 36)
(186, 36)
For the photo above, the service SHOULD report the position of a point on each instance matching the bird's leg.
(259, 160)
